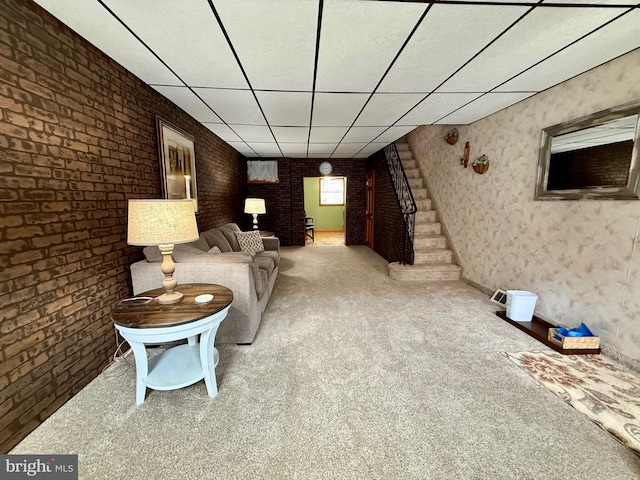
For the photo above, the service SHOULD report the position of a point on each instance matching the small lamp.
(255, 207)
(163, 223)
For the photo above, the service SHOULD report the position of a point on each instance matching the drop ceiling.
(343, 78)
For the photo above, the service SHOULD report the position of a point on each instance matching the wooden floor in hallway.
(326, 237)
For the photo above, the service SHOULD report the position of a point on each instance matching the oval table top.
(142, 311)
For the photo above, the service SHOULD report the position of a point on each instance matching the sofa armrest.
(244, 314)
(271, 243)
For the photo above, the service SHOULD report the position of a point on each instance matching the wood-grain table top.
(145, 313)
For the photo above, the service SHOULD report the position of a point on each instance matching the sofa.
(218, 257)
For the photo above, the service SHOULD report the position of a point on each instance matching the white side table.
(146, 322)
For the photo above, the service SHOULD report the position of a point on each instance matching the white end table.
(143, 321)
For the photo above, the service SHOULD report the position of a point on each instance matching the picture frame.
(176, 150)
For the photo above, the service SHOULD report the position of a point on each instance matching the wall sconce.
(255, 207)
(163, 223)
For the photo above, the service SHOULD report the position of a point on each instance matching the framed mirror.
(593, 157)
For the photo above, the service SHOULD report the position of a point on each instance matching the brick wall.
(388, 224)
(285, 200)
(77, 139)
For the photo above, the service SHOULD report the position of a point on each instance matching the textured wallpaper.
(582, 258)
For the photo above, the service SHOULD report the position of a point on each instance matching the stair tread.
(431, 266)
(428, 235)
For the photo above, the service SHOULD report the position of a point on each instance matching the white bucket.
(520, 305)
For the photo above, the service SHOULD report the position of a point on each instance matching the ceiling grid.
(343, 78)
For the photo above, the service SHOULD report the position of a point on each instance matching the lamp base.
(169, 298)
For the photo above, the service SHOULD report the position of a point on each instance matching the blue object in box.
(581, 331)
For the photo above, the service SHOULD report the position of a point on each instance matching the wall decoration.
(464, 160)
(262, 171)
(595, 157)
(177, 162)
(481, 164)
(325, 168)
(452, 136)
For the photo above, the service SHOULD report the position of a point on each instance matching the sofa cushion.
(215, 250)
(215, 238)
(273, 255)
(229, 230)
(250, 242)
(186, 252)
(153, 255)
(265, 263)
(264, 282)
(200, 243)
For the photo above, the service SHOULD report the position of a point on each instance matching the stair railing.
(405, 201)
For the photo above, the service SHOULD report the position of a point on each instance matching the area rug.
(594, 386)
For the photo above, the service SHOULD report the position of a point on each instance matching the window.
(332, 191)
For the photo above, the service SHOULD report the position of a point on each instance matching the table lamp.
(163, 223)
(255, 207)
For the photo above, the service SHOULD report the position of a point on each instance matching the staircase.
(433, 261)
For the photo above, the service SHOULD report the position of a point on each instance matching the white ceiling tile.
(295, 150)
(482, 107)
(93, 22)
(436, 106)
(186, 100)
(447, 38)
(363, 134)
(609, 42)
(373, 148)
(291, 134)
(321, 148)
(337, 109)
(233, 106)
(349, 149)
(385, 109)
(275, 40)
(598, 2)
(186, 36)
(359, 41)
(286, 108)
(223, 131)
(327, 134)
(526, 43)
(254, 133)
(266, 149)
(394, 133)
(243, 148)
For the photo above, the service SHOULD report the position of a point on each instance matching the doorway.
(325, 206)
(368, 233)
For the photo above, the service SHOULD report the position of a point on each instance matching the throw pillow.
(250, 242)
(215, 250)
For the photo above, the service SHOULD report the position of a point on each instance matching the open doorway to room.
(325, 210)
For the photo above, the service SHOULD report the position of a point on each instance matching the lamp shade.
(161, 222)
(255, 205)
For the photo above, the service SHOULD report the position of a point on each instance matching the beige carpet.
(352, 376)
(594, 386)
